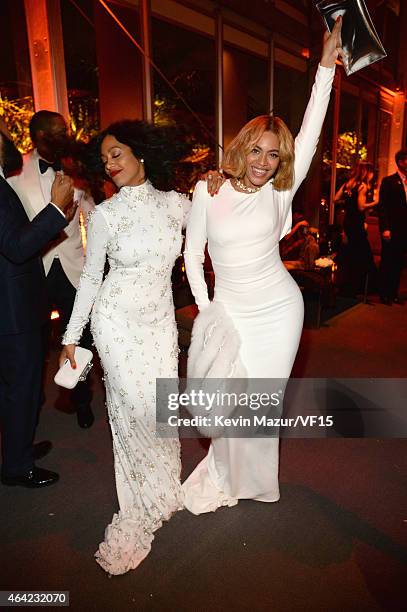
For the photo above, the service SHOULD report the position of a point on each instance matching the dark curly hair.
(160, 147)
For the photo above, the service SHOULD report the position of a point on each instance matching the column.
(120, 64)
(44, 30)
(145, 19)
(396, 130)
(219, 86)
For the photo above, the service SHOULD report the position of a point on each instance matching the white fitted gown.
(134, 330)
(243, 231)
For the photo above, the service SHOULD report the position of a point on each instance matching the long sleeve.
(307, 139)
(21, 242)
(186, 211)
(196, 238)
(91, 277)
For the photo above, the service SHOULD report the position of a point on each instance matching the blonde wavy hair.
(234, 160)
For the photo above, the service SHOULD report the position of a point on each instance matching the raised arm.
(91, 277)
(339, 194)
(307, 139)
(21, 242)
(196, 238)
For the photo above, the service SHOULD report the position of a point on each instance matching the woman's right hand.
(68, 352)
(214, 180)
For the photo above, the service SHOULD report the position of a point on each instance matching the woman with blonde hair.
(243, 225)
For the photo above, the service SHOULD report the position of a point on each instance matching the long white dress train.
(134, 331)
(264, 302)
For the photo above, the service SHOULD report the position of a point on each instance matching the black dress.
(360, 262)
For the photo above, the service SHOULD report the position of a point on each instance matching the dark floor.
(337, 539)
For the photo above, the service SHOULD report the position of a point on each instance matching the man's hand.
(71, 210)
(386, 235)
(332, 47)
(68, 352)
(62, 191)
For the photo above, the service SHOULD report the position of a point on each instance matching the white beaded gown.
(134, 331)
(243, 231)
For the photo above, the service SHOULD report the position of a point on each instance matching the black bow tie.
(44, 165)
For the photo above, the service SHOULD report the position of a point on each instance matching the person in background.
(23, 315)
(291, 244)
(356, 195)
(393, 229)
(63, 257)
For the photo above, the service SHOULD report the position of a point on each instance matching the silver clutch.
(360, 42)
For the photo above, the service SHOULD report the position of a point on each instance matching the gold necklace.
(243, 187)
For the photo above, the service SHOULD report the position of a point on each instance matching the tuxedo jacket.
(23, 298)
(392, 209)
(68, 244)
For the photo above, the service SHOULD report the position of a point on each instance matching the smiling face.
(120, 163)
(263, 160)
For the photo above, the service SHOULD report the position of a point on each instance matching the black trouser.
(21, 367)
(61, 295)
(391, 265)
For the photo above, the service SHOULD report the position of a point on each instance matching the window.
(81, 67)
(16, 97)
(187, 59)
(245, 89)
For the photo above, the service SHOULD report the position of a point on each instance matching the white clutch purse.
(69, 378)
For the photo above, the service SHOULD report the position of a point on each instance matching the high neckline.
(130, 191)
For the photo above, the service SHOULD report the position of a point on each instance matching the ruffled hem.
(128, 541)
(201, 495)
(125, 545)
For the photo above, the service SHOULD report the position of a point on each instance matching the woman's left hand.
(332, 48)
(214, 180)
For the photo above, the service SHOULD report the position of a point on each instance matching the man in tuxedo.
(393, 228)
(63, 258)
(23, 315)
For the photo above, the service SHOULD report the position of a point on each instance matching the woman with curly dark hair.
(132, 317)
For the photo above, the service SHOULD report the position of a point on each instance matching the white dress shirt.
(34, 190)
(46, 181)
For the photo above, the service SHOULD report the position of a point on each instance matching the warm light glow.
(305, 53)
(83, 231)
(198, 155)
(54, 315)
(17, 114)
